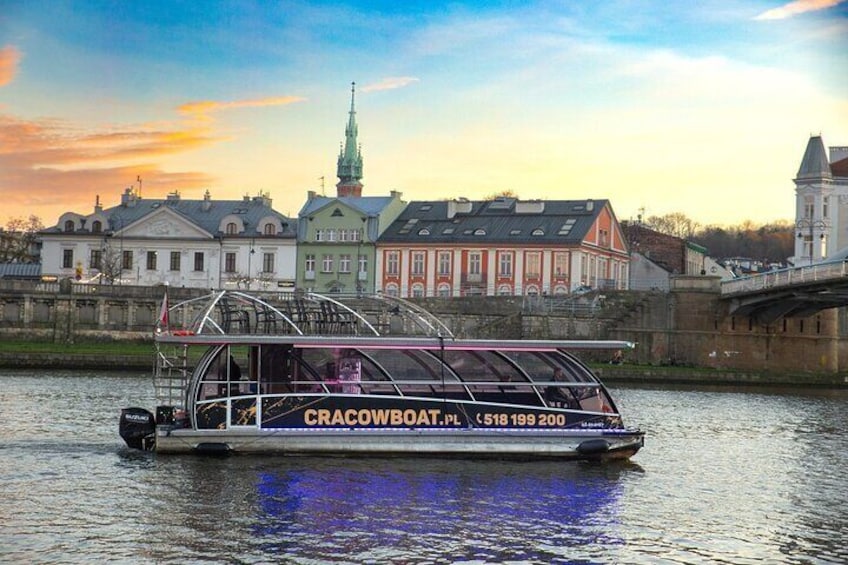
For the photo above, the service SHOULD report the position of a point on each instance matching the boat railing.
(171, 375)
(231, 312)
(413, 387)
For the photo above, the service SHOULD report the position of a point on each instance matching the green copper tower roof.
(349, 168)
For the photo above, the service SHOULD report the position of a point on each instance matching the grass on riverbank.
(82, 348)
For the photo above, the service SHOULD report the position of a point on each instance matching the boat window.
(539, 366)
(275, 368)
(407, 366)
(230, 373)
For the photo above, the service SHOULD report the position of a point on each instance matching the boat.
(309, 374)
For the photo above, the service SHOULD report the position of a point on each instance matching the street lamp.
(813, 225)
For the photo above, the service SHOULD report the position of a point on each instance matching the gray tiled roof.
(20, 270)
(497, 221)
(251, 211)
(368, 205)
(814, 163)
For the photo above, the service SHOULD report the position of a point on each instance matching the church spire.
(349, 168)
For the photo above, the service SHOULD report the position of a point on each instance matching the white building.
(821, 194)
(184, 243)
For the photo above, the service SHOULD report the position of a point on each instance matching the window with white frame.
(418, 263)
(444, 290)
(475, 263)
(327, 264)
(505, 263)
(561, 264)
(533, 265)
(363, 263)
(444, 263)
(392, 263)
(344, 263)
(418, 290)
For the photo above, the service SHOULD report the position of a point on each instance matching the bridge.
(785, 293)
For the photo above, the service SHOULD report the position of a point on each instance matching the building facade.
(821, 203)
(655, 257)
(183, 243)
(501, 247)
(335, 241)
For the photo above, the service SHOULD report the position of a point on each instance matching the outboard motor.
(137, 427)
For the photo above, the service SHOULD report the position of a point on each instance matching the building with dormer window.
(501, 247)
(184, 243)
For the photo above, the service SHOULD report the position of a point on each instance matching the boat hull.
(466, 443)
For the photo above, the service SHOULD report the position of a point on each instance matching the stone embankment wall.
(689, 326)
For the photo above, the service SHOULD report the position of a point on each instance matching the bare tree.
(111, 263)
(17, 240)
(677, 224)
(506, 193)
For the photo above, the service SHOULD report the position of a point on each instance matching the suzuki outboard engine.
(137, 427)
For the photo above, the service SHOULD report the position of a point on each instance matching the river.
(726, 476)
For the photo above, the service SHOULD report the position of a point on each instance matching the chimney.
(128, 198)
(459, 206)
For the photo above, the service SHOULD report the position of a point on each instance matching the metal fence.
(820, 272)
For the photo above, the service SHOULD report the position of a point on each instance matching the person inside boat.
(234, 378)
(559, 396)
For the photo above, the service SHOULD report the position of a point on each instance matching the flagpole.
(162, 324)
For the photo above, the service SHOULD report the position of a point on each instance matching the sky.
(659, 106)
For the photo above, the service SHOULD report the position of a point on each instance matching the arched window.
(418, 290)
(444, 290)
(69, 225)
(232, 228)
(532, 290)
(270, 229)
(391, 289)
(96, 226)
(504, 290)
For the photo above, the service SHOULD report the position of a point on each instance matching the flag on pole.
(163, 314)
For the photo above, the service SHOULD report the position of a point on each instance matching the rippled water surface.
(726, 476)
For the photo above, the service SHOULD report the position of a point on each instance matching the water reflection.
(465, 509)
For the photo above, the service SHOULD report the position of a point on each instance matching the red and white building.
(501, 247)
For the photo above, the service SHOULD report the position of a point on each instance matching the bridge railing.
(785, 277)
